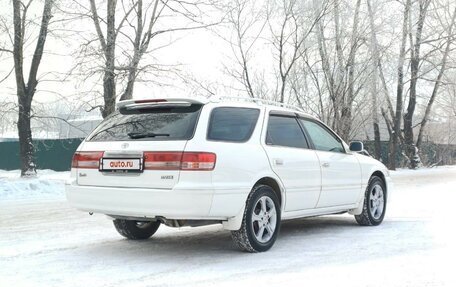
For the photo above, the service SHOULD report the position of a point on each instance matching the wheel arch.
(274, 184)
(375, 172)
(379, 174)
(363, 213)
(234, 223)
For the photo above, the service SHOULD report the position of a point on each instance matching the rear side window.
(149, 124)
(285, 131)
(232, 124)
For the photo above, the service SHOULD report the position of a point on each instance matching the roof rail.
(259, 101)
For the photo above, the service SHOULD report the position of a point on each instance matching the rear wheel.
(136, 230)
(374, 203)
(261, 221)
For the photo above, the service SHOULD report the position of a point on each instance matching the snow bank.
(47, 185)
(423, 170)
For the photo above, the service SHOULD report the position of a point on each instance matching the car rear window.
(232, 124)
(149, 124)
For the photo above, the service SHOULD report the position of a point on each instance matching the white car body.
(308, 182)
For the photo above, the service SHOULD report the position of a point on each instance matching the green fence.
(50, 154)
(57, 154)
(430, 153)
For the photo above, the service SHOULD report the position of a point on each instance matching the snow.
(48, 185)
(37, 135)
(44, 242)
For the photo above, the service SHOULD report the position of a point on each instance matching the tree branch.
(32, 82)
(96, 22)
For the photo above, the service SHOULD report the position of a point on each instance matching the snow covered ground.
(44, 242)
(49, 185)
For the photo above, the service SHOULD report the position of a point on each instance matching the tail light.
(198, 161)
(87, 159)
(162, 160)
(154, 160)
(179, 161)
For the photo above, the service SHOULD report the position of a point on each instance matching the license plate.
(121, 164)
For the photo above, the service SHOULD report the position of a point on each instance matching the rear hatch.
(140, 146)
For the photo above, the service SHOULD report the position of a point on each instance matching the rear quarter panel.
(238, 165)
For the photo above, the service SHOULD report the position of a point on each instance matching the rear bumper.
(213, 204)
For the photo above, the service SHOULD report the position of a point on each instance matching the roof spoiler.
(151, 103)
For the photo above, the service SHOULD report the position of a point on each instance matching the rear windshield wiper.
(146, 135)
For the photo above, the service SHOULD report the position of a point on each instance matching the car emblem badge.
(124, 145)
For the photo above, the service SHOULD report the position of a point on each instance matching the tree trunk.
(340, 75)
(374, 90)
(347, 102)
(109, 77)
(329, 78)
(410, 148)
(400, 89)
(25, 92)
(133, 68)
(26, 148)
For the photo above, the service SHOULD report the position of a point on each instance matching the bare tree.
(248, 20)
(289, 42)
(138, 24)
(375, 75)
(400, 89)
(340, 73)
(438, 81)
(108, 46)
(348, 97)
(26, 88)
(415, 44)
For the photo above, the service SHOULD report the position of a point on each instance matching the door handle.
(325, 164)
(278, 161)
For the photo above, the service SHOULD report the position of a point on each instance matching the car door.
(340, 171)
(295, 163)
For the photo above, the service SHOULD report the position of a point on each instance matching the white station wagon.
(247, 164)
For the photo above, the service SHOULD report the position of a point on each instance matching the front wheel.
(374, 206)
(136, 230)
(261, 221)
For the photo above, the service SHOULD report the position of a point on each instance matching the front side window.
(232, 124)
(322, 139)
(160, 123)
(285, 131)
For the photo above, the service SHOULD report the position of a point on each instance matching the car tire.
(136, 230)
(261, 221)
(374, 206)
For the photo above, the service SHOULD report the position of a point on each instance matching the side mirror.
(356, 146)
